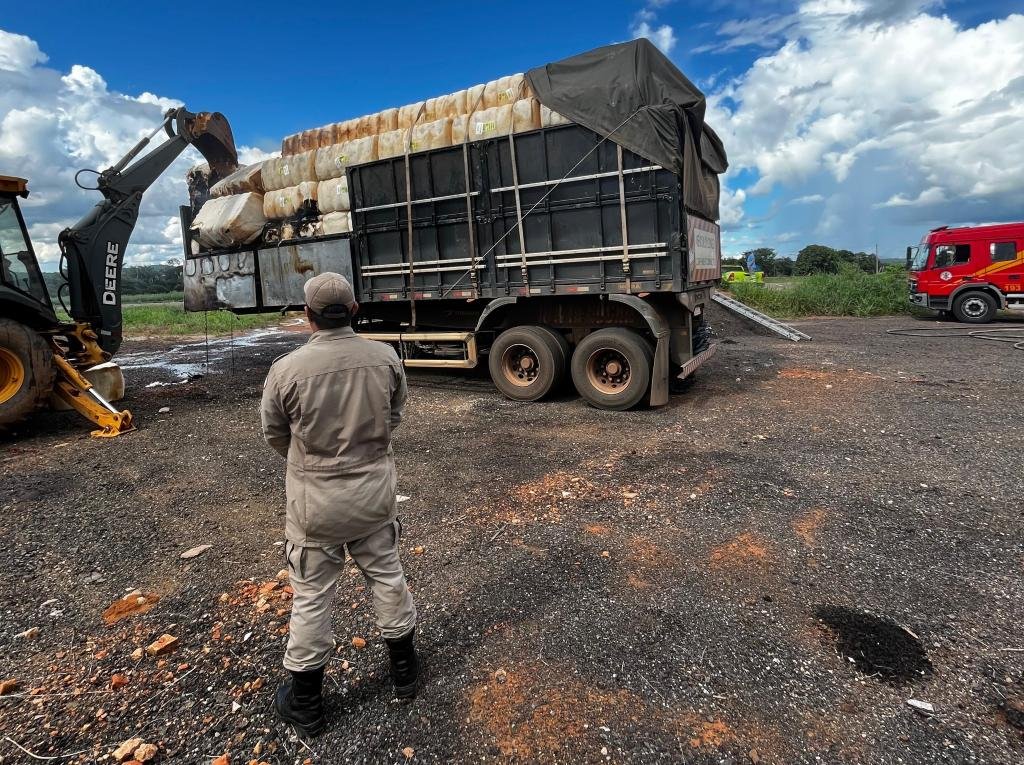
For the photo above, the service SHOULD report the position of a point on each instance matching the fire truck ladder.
(776, 326)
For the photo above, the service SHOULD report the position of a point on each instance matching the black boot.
(405, 666)
(300, 701)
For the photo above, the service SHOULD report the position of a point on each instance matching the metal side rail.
(766, 321)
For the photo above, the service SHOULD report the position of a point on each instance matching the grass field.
(849, 293)
(173, 320)
(154, 297)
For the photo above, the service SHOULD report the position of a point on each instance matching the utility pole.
(878, 263)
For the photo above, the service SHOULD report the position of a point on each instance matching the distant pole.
(878, 264)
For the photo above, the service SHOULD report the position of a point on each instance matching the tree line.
(812, 259)
(136, 280)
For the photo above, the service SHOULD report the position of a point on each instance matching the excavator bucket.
(211, 134)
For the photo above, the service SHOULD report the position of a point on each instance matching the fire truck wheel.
(975, 307)
(527, 363)
(611, 368)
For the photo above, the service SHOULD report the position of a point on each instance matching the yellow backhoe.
(45, 361)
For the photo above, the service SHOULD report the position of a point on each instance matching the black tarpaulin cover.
(659, 113)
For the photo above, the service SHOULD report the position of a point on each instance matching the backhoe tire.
(27, 372)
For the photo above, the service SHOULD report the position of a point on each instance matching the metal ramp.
(766, 321)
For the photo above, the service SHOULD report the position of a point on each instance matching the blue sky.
(847, 122)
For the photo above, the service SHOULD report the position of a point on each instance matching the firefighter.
(329, 408)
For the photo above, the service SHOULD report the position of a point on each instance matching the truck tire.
(27, 372)
(611, 368)
(975, 307)
(527, 363)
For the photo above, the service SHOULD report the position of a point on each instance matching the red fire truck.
(971, 272)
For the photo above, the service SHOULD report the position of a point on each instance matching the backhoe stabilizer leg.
(78, 393)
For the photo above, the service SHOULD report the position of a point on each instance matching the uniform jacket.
(329, 408)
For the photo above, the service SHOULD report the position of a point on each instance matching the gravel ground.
(765, 570)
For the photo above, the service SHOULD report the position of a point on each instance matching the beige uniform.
(329, 408)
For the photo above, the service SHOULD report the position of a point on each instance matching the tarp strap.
(519, 211)
(408, 215)
(622, 218)
(474, 276)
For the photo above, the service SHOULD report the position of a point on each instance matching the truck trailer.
(582, 244)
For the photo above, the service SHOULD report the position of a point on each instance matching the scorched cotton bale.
(332, 160)
(229, 221)
(284, 203)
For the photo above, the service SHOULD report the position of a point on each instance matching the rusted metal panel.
(285, 269)
(220, 281)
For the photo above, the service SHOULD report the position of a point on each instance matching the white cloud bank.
(52, 124)
(880, 105)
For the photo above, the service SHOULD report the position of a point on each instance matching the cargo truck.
(584, 247)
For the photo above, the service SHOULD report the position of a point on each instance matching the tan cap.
(330, 295)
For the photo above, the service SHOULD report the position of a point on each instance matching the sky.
(851, 123)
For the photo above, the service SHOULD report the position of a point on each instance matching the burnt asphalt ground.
(765, 570)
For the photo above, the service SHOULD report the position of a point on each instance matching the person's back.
(329, 408)
(341, 395)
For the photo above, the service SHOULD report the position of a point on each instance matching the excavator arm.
(93, 250)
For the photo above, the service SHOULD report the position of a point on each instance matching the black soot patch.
(876, 646)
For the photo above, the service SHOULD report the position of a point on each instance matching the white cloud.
(810, 199)
(645, 25)
(18, 53)
(931, 196)
(53, 123)
(883, 89)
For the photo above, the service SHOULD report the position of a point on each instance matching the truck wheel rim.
(608, 371)
(520, 365)
(12, 375)
(975, 307)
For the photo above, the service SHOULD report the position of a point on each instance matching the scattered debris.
(418, 550)
(222, 760)
(501, 676)
(146, 752)
(754, 756)
(118, 680)
(402, 498)
(136, 655)
(195, 551)
(163, 410)
(921, 706)
(409, 752)
(358, 642)
(127, 749)
(130, 605)
(30, 634)
(163, 644)
(8, 686)
(605, 554)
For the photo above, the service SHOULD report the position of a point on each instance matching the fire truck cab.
(971, 271)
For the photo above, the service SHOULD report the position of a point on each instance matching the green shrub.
(850, 292)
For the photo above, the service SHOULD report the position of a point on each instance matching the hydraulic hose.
(1015, 334)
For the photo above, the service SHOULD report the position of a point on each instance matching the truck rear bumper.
(694, 364)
